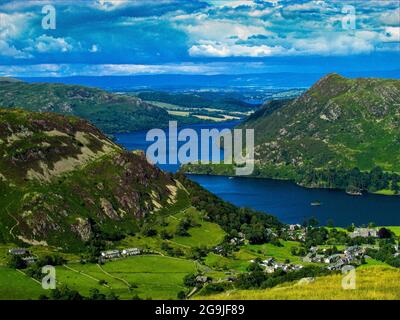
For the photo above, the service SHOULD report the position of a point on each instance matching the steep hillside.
(109, 112)
(341, 133)
(339, 122)
(63, 182)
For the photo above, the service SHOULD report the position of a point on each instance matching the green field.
(156, 277)
(14, 285)
(279, 253)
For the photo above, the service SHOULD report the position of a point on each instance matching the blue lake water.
(284, 199)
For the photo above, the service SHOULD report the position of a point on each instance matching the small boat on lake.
(316, 203)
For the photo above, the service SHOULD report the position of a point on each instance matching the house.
(293, 227)
(308, 257)
(219, 249)
(29, 260)
(110, 254)
(364, 232)
(356, 251)
(242, 235)
(268, 262)
(332, 259)
(131, 252)
(18, 251)
(202, 279)
(318, 258)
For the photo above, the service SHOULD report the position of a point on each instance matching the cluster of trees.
(65, 293)
(231, 218)
(385, 253)
(172, 251)
(184, 225)
(353, 180)
(35, 270)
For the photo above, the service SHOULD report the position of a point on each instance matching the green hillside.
(65, 184)
(62, 182)
(341, 133)
(373, 283)
(109, 112)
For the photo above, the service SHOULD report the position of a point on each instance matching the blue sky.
(127, 37)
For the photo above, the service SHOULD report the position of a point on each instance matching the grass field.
(155, 277)
(371, 283)
(279, 253)
(206, 234)
(17, 286)
(395, 230)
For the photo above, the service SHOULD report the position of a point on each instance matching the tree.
(190, 280)
(181, 295)
(384, 233)
(95, 294)
(16, 262)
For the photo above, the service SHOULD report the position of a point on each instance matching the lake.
(284, 199)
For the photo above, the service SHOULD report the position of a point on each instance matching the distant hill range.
(282, 80)
(109, 112)
(341, 133)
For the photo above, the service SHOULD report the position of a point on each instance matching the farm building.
(131, 252)
(110, 254)
(18, 251)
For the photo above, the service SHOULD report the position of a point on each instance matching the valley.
(116, 227)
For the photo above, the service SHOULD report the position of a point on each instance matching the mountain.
(62, 180)
(64, 184)
(341, 133)
(109, 112)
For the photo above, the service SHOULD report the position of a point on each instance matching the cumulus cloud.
(12, 27)
(392, 34)
(164, 32)
(214, 49)
(45, 43)
(391, 18)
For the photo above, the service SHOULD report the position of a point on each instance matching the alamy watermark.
(349, 277)
(49, 280)
(204, 149)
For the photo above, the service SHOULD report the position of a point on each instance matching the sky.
(129, 37)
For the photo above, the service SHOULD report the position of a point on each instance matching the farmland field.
(155, 277)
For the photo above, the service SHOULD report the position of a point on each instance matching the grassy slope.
(17, 286)
(371, 283)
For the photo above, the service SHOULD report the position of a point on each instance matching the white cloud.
(391, 34)
(94, 48)
(12, 27)
(213, 49)
(45, 43)
(341, 44)
(219, 30)
(391, 18)
(109, 5)
(7, 50)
